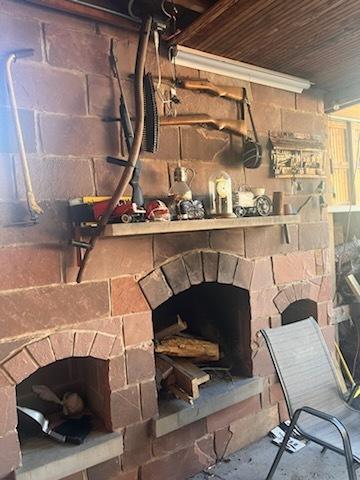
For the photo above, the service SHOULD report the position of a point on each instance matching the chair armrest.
(352, 394)
(347, 451)
(323, 416)
(328, 418)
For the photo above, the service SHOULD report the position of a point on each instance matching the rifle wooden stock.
(236, 127)
(233, 93)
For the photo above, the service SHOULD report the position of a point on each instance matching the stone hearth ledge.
(44, 459)
(216, 396)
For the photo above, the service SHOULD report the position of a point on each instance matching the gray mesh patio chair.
(315, 402)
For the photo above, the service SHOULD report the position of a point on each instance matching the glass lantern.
(220, 195)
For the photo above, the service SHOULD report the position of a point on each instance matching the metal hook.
(174, 10)
(130, 10)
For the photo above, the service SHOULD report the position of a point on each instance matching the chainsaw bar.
(151, 127)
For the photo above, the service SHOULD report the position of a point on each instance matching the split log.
(178, 346)
(186, 375)
(174, 329)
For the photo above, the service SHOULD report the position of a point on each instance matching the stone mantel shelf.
(150, 228)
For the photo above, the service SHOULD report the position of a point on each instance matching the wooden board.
(149, 228)
(188, 376)
(339, 161)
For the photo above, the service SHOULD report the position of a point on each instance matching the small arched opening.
(87, 377)
(299, 310)
(48, 456)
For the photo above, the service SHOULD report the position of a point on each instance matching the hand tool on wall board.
(34, 209)
(151, 130)
(136, 145)
(236, 127)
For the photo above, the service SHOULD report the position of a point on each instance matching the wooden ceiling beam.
(342, 97)
(89, 12)
(206, 18)
(199, 6)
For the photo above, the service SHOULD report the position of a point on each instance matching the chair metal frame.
(351, 462)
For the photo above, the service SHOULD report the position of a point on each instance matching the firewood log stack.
(176, 356)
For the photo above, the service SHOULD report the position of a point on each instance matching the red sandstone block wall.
(64, 91)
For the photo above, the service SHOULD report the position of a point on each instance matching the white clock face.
(221, 188)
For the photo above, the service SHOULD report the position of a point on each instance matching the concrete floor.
(253, 463)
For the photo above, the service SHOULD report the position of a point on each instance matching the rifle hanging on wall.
(223, 91)
(252, 152)
(236, 127)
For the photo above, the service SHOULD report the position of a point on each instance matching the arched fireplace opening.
(87, 377)
(299, 310)
(82, 362)
(216, 312)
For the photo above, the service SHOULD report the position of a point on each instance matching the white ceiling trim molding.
(189, 57)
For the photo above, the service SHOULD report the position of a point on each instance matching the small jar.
(220, 193)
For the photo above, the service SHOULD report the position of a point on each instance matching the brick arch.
(299, 291)
(192, 268)
(22, 363)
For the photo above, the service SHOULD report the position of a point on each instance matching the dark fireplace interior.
(215, 312)
(299, 310)
(88, 377)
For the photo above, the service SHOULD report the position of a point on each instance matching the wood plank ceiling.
(317, 40)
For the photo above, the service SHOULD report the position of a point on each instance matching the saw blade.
(151, 127)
